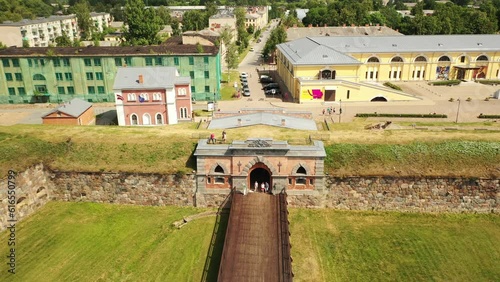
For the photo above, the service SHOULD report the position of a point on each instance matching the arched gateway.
(238, 165)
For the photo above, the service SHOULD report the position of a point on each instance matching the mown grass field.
(104, 242)
(351, 150)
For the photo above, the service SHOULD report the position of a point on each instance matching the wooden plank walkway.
(252, 248)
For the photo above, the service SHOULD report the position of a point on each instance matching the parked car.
(274, 91)
(271, 86)
(265, 79)
(244, 74)
(246, 92)
(251, 49)
(244, 84)
(244, 80)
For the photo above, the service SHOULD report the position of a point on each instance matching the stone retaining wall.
(36, 186)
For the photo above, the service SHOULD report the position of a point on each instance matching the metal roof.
(153, 78)
(265, 119)
(307, 50)
(74, 108)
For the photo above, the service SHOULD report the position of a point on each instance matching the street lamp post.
(458, 111)
(340, 111)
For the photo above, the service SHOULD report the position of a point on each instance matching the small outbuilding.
(74, 112)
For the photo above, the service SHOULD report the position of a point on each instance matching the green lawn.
(104, 242)
(333, 245)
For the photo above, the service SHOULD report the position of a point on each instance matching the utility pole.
(458, 111)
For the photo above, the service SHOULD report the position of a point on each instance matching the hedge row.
(393, 86)
(445, 82)
(401, 115)
(489, 82)
(488, 116)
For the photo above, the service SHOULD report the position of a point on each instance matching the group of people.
(213, 140)
(264, 187)
(329, 110)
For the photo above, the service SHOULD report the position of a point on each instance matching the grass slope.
(333, 245)
(351, 151)
(103, 242)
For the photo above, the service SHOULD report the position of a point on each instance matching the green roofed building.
(59, 74)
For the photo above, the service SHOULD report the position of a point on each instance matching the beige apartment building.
(42, 32)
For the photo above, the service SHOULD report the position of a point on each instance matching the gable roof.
(74, 108)
(153, 78)
(337, 49)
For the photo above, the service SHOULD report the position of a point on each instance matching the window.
(97, 62)
(444, 59)
(99, 76)
(146, 119)
(219, 180)
(90, 76)
(191, 74)
(183, 112)
(326, 74)
(176, 61)
(159, 119)
(301, 170)
(131, 97)
(91, 89)
(6, 63)
(311, 181)
(118, 62)
(207, 74)
(66, 62)
(8, 76)
(205, 60)
(128, 61)
(30, 63)
(71, 90)
(157, 96)
(149, 61)
(68, 76)
(144, 96)
(482, 58)
(42, 62)
(191, 61)
(59, 76)
(100, 89)
(12, 91)
(462, 59)
(60, 90)
(209, 180)
(38, 77)
(182, 91)
(133, 119)
(397, 59)
(159, 61)
(193, 89)
(15, 63)
(373, 60)
(207, 88)
(420, 59)
(21, 91)
(88, 62)
(57, 62)
(19, 76)
(348, 93)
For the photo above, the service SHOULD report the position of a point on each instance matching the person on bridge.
(263, 187)
(266, 185)
(256, 186)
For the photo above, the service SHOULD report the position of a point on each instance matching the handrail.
(284, 229)
(214, 236)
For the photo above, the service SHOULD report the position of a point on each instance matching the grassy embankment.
(351, 151)
(103, 242)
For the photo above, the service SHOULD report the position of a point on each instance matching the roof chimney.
(141, 79)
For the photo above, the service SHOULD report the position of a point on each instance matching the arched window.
(444, 59)
(159, 119)
(301, 170)
(183, 113)
(131, 97)
(482, 58)
(420, 59)
(397, 59)
(218, 169)
(182, 91)
(373, 60)
(144, 96)
(38, 77)
(134, 119)
(146, 119)
(156, 96)
(326, 74)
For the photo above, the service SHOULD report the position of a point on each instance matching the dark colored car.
(271, 86)
(266, 79)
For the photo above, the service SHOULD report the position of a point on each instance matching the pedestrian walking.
(256, 186)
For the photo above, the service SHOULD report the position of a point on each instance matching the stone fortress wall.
(36, 186)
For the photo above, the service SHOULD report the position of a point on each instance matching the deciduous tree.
(143, 24)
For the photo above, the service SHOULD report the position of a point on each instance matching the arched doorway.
(260, 174)
(379, 99)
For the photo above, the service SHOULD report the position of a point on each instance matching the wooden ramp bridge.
(257, 242)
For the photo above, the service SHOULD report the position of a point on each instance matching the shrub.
(489, 116)
(445, 82)
(401, 115)
(489, 82)
(393, 86)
